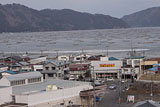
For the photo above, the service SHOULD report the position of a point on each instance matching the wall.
(96, 64)
(50, 96)
(5, 95)
(4, 81)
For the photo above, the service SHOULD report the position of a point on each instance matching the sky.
(115, 8)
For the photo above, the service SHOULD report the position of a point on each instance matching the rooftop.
(41, 87)
(22, 76)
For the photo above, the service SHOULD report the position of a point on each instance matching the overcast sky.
(116, 8)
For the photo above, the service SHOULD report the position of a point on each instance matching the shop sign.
(107, 65)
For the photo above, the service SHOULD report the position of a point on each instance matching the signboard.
(130, 98)
(107, 65)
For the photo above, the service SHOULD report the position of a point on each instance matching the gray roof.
(148, 103)
(51, 72)
(23, 63)
(22, 76)
(57, 63)
(41, 87)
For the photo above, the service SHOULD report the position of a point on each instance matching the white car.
(110, 79)
(112, 86)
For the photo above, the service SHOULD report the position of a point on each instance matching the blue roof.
(112, 58)
(154, 69)
(8, 71)
(156, 64)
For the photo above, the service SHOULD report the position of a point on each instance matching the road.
(111, 97)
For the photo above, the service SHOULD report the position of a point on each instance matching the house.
(3, 67)
(25, 66)
(16, 67)
(147, 103)
(79, 69)
(52, 70)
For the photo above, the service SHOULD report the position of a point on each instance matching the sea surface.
(115, 42)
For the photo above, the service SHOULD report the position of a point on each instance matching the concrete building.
(105, 68)
(131, 67)
(32, 92)
(21, 79)
(5, 94)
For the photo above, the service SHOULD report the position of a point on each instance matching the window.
(32, 80)
(17, 82)
(78, 58)
(47, 68)
(50, 75)
(39, 69)
(53, 68)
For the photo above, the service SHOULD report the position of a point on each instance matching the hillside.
(145, 18)
(19, 18)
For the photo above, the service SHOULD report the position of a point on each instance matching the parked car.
(123, 81)
(112, 86)
(110, 79)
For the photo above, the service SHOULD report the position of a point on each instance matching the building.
(131, 67)
(52, 70)
(7, 72)
(3, 67)
(38, 67)
(80, 69)
(81, 58)
(5, 94)
(64, 58)
(105, 68)
(146, 64)
(21, 79)
(37, 60)
(31, 90)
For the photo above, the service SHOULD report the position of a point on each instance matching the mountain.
(19, 18)
(145, 18)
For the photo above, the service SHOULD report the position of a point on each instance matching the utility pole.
(119, 99)
(94, 94)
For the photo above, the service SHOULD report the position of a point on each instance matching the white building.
(32, 90)
(105, 68)
(38, 60)
(37, 67)
(64, 58)
(5, 94)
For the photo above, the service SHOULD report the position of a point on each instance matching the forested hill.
(19, 18)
